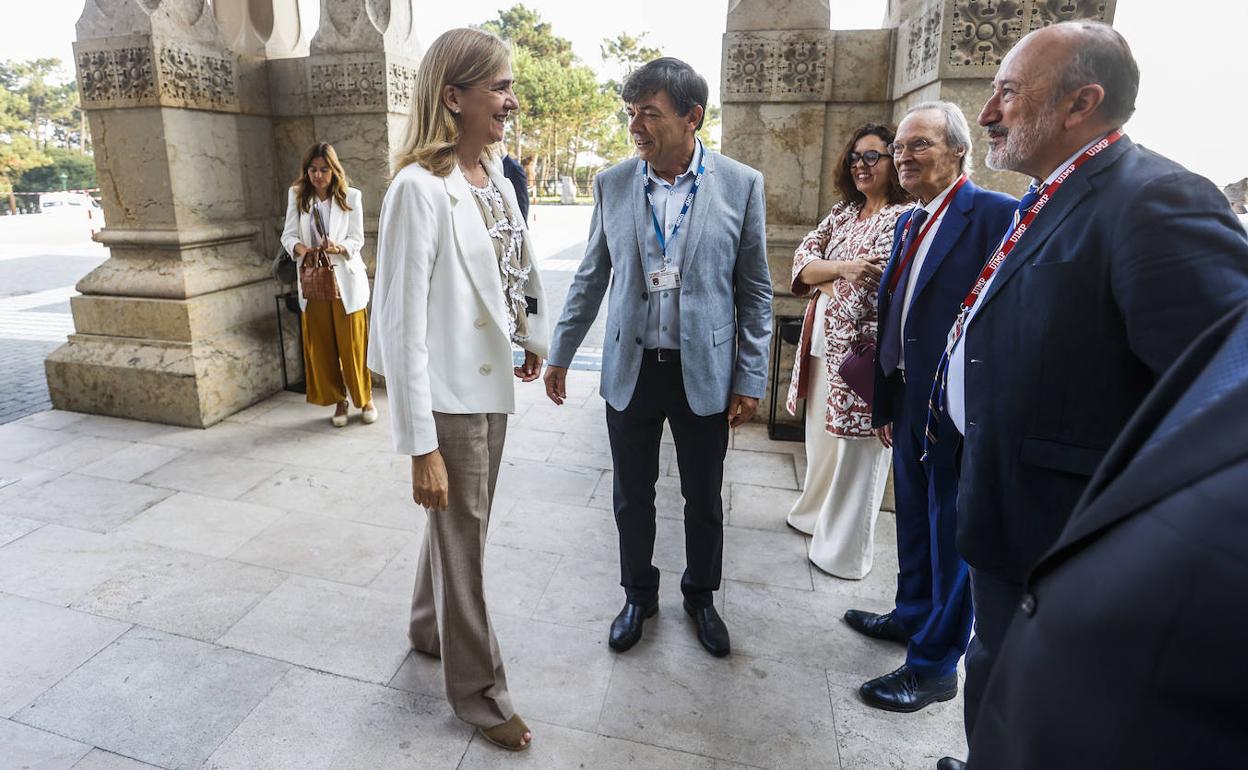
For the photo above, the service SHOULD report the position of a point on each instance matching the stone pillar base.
(195, 381)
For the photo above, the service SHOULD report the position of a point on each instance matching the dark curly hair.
(845, 175)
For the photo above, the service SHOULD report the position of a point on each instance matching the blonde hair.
(338, 184)
(459, 57)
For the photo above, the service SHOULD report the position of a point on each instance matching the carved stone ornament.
(983, 31)
(777, 66)
(132, 73)
(347, 83)
(1046, 12)
(920, 35)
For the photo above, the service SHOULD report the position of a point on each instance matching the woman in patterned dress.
(839, 266)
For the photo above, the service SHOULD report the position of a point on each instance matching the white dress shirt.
(916, 266)
(955, 395)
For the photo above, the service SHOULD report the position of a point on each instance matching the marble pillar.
(178, 325)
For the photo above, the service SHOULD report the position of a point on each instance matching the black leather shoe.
(904, 690)
(626, 628)
(877, 626)
(949, 763)
(712, 632)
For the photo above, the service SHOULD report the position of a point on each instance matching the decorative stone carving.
(347, 83)
(134, 74)
(196, 80)
(349, 86)
(920, 35)
(1046, 12)
(982, 31)
(777, 66)
(402, 78)
(120, 74)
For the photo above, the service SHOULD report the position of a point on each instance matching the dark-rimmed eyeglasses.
(870, 157)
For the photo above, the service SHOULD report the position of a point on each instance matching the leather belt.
(663, 355)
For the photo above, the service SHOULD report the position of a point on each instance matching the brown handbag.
(316, 272)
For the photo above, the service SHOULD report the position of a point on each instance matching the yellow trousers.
(335, 347)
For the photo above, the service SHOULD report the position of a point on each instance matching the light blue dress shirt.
(663, 314)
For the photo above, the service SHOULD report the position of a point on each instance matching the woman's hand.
(429, 483)
(333, 248)
(531, 369)
(862, 273)
(300, 250)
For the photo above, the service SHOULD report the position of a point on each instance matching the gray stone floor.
(236, 598)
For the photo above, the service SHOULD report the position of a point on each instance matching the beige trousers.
(449, 617)
(845, 480)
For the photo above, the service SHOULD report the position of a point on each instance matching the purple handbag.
(858, 370)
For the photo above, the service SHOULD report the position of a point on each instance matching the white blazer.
(438, 331)
(346, 228)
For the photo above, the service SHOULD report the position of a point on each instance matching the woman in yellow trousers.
(335, 331)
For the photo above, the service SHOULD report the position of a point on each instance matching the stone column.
(793, 90)
(951, 49)
(178, 325)
(358, 89)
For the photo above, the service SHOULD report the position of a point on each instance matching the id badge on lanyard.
(668, 276)
(665, 278)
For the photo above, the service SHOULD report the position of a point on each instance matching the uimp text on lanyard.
(668, 277)
(1009, 243)
(923, 231)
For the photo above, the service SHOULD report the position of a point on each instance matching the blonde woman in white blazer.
(456, 288)
(335, 332)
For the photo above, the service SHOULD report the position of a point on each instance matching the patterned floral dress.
(849, 316)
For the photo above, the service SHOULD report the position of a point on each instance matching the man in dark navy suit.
(1129, 259)
(1129, 648)
(514, 173)
(938, 248)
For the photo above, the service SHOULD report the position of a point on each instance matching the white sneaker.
(369, 415)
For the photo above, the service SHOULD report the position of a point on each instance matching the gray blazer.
(725, 293)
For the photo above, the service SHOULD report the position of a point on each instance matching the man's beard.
(1019, 147)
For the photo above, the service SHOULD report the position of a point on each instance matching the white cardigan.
(346, 228)
(438, 331)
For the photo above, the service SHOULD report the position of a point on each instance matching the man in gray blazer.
(678, 234)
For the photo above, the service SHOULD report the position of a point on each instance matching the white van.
(77, 206)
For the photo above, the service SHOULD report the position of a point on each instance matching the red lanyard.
(1008, 244)
(914, 245)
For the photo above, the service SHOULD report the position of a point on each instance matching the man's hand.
(885, 435)
(861, 272)
(531, 369)
(429, 483)
(741, 410)
(556, 383)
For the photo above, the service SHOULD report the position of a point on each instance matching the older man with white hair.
(937, 248)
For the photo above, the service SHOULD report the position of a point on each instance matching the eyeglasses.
(870, 157)
(917, 147)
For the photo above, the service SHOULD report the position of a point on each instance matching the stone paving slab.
(265, 566)
(158, 698)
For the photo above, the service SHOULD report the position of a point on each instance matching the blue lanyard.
(684, 210)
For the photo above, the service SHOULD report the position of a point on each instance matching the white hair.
(957, 130)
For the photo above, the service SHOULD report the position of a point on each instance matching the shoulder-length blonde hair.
(338, 184)
(459, 57)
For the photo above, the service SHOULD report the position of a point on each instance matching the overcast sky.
(1191, 106)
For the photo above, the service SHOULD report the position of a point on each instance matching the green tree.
(523, 26)
(79, 173)
(18, 149)
(628, 52)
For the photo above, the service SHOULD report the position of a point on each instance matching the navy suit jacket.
(973, 225)
(519, 182)
(1133, 653)
(1132, 259)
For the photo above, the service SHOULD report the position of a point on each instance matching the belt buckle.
(661, 355)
